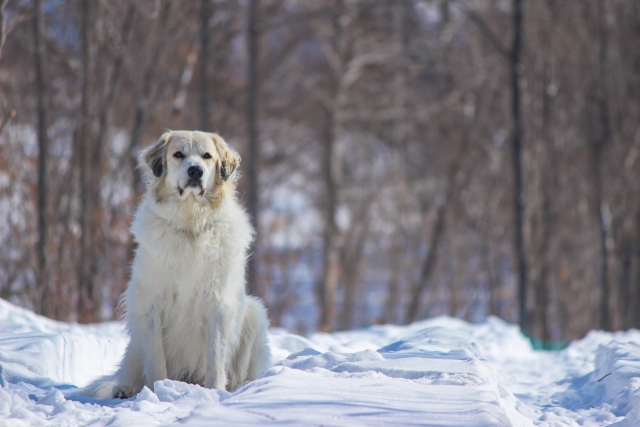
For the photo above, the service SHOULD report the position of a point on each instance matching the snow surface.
(437, 372)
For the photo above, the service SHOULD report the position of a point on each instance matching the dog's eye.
(178, 155)
(206, 156)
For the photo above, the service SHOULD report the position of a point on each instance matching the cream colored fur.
(187, 312)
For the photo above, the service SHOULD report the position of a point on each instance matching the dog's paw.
(123, 392)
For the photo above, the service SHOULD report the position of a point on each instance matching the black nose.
(195, 172)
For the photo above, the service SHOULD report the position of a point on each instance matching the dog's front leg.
(216, 377)
(155, 363)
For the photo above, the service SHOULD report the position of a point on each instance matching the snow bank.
(439, 372)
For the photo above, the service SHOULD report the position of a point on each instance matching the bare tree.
(206, 13)
(351, 257)
(159, 37)
(181, 93)
(360, 133)
(516, 67)
(435, 237)
(334, 47)
(43, 143)
(253, 169)
(400, 135)
(88, 297)
(598, 147)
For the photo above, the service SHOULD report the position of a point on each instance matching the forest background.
(401, 159)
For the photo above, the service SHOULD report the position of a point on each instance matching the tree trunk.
(400, 134)
(437, 231)
(206, 12)
(350, 263)
(180, 99)
(112, 82)
(254, 145)
(393, 292)
(519, 249)
(3, 29)
(635, 307)
(142, 110)
(89, 303)
(493, 279)
(548, 171)
(625, 293)
(43, 143)
(332, 240)
(598, 148)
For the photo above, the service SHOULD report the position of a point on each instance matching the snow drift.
(438, 372)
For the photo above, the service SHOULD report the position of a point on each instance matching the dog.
(186, 309)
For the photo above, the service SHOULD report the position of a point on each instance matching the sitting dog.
(186, 309)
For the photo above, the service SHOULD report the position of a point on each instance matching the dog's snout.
(195, 172)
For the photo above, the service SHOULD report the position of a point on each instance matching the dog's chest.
(188, 266)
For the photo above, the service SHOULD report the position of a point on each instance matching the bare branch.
(330, 54)
(6, 120)
(488, 32)
(3, 30)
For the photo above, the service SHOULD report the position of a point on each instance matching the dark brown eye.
(206, 156)
(178, 155)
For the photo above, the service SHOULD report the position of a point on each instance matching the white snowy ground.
(438, 372)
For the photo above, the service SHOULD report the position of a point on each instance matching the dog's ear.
(228, 164)
(229, 159)
(154, 156)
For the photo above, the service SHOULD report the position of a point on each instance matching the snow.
(437, 372)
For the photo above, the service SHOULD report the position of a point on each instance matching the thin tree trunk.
(635, 307)
(112, 83)
(88, 297)
(3, 28)
(142, 110)
(541, 288)
(393, 292)
(110, 90)
(625, 293)
(598, 148)
(351, 281)
(43, 143)
(5, 121)
(254, 144)
(351, 261)
(548, 171)
(206, 12)
(519, 248)
(332, 241)
(493, 280)
(180, 100)
(437, 231)
(332, 175)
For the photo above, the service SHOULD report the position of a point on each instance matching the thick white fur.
(186, 310)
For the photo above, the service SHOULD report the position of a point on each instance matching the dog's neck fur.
(190, 215)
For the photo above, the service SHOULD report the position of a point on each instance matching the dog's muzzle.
(194, 174)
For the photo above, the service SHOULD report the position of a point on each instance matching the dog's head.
(191, 163)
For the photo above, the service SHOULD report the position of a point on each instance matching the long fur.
(186, 309)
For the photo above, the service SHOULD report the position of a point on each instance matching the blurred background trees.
(381, 142)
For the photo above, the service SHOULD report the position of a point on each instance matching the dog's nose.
(195, 172)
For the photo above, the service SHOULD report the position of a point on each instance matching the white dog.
(187, 313)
